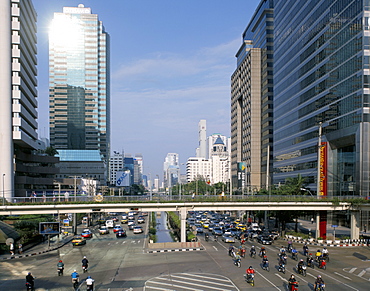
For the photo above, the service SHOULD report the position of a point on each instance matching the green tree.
(50, 151)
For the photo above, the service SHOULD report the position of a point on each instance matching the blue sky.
(171, 63)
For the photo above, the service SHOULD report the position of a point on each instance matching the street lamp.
(3, 190)
(304, 189)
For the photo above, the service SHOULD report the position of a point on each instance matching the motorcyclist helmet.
(252, 247)
(318, 276)
(29, 273)
(84, 257)
(88, 277)
(301, 260)
(324, 248)
(74, 270)
(292, 276)
(250, 267)
(60, 261)
(318, 251)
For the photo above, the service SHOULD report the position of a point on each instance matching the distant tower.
(202, 131)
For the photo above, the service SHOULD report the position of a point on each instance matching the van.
(109, 223)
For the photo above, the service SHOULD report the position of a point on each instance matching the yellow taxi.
(241, 227)
(78, 241)
(124, 221)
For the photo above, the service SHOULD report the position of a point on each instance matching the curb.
(175, 250)
(330, 245)
(37, 253)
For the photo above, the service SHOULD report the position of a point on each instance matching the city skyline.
(178, 62)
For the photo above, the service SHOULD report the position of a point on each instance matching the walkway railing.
(183, 198)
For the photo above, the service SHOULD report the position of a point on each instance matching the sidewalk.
(307, 227)
(40, 248)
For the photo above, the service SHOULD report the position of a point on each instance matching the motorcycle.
(250, 279)
(237, 263)
(29, 287)
(320, 287)
(206, 238)
(215, 238)
(60, 271)
(305, 251)
(283, 258)
(252, 253)
(242, 253)
(310, 263)
(262, 253)
(289, 248)
(302, 270)
(293, 286)
(322, 264)
(75, 283)
(265, 266)
(281, 268)
(84, 268)
(326, 257)
(89, 287)
(294, 256)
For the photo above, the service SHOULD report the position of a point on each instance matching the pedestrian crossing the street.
(190, 281)
(359, 272)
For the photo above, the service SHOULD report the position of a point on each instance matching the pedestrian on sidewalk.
(12, 249)
(20, 248)
(312, 220)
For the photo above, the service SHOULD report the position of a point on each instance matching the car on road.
(265, 240)
(228, 238)
(144, 213)
(109, 223)
(78, 241)
(131, 226)
(124, 221)
(103, 230)
(138, 229)
(130, 222)
(117, 228)
(140, 219)
(121, 233)
(199, 228)
(86, 233)
(217, 231)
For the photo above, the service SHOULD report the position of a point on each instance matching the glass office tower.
(79, 81)
(321, 81)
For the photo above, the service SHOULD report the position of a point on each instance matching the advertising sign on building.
(49, 228)
(123, 178)
(323, 169)
(241, 175)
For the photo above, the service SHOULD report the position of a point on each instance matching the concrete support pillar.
(355, 224)
(317, 232)
(183, 213)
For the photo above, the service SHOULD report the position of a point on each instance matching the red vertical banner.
(323, 169)
(323, 223)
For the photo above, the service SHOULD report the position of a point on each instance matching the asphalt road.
(124, 264)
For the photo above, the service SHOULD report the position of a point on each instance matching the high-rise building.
(321, 95)
(21, 168)
(171, 170)
(79, 81)
(252, 102)
(202, 138)
(116, 163)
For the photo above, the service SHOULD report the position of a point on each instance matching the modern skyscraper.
(171, 170)
(202, 133)
(21, 169)
(79, 81)
(251, 102)
(322, 80)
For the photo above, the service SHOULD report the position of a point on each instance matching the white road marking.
(352, 270)
(268, 280)
(280, 277)
(326, 275)
(215, 248)
(342, 276)
(361, 273)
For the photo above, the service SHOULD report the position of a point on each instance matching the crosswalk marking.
(352, 270)
(361, 273)
(190, 281)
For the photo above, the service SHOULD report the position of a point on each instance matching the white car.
(138, 229)
(103, 230)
